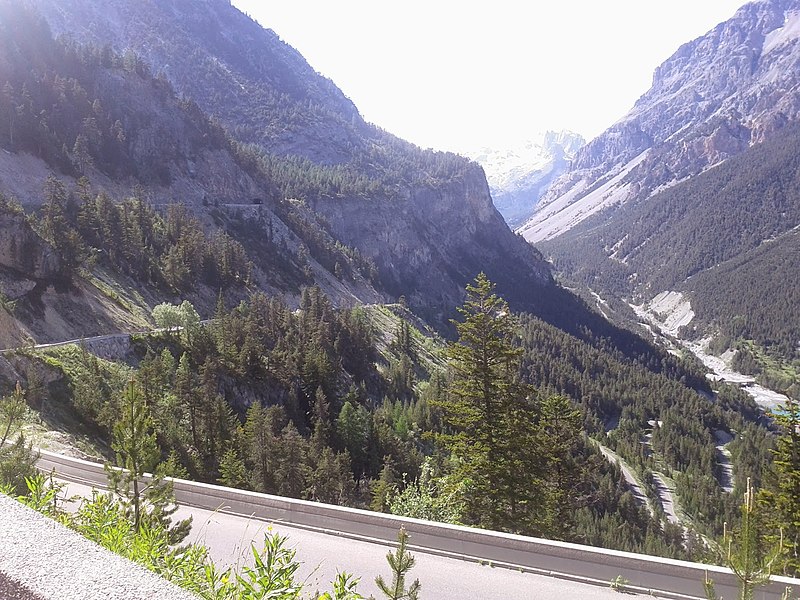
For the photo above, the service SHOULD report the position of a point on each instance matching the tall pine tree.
(492, 418)
(781, 492)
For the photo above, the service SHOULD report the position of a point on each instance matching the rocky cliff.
(431, 238)
(715, 97)
(24, 252)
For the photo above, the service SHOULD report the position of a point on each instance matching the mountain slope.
(726, 238)
(177, 205)
(424, 219)
(112, 132)
(714, 98)
(520, 175)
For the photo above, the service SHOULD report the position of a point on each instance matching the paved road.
(722, 439)
(111, 336)
(11, 589)
(323, 555)
(627, 473)
(667, 501)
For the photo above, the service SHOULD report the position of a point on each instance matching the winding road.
(323, 554)
(633, 483)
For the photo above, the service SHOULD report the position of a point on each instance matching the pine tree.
(492, 420)
(17, 459)
(232, 471)
(781, 493)
(137, 453)
(292, 471)
(320, 417)
(747, 553)
(401, 561)
(12, 410)
(383, 487)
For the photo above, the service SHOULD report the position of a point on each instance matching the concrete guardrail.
(650, 575)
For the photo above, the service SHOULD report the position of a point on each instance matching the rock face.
(233, 68)
(23, 251)
(433, 238)
(518, 176)
(715, 97)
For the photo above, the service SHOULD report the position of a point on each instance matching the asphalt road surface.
(322, 555)
(13, 590)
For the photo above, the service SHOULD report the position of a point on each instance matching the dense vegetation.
(87, 111)
(319, 402)
(316, 404)
(623, 399)
(172, 252)
(104, 519)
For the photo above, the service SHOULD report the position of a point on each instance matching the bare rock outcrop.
(23, 251)
(714, 98)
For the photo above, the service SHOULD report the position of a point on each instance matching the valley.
(667, 313)
(213, 268)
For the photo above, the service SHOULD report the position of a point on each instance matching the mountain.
(518, 176)
(696, 191)
(164, 151)
(714, 98)
(424, 219)
(726, 239)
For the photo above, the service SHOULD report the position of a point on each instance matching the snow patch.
(790, 31)
(508, 169)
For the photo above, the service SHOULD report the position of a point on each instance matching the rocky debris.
(714, 98)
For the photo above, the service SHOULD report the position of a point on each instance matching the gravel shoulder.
(51, 562)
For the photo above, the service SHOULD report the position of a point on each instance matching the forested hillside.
(726, 237)
(291, 272)
(424, 219)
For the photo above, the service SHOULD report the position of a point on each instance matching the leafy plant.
(344, 588)
(619, 583)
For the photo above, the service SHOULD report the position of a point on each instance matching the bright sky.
(462, 74)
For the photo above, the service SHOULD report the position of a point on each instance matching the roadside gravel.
(49, 562)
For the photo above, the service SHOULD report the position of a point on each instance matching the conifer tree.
(747, 553)
(17, 459)
(401, 561)
(781, 492)
(492, 417)
(232, 471)
(137, 453)
(320, 417)
(383, 487)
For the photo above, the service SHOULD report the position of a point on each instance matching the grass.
(127, 298)
(428, 347)
(776, 373)
(57, 420)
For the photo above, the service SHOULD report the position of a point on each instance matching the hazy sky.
(461, 74)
